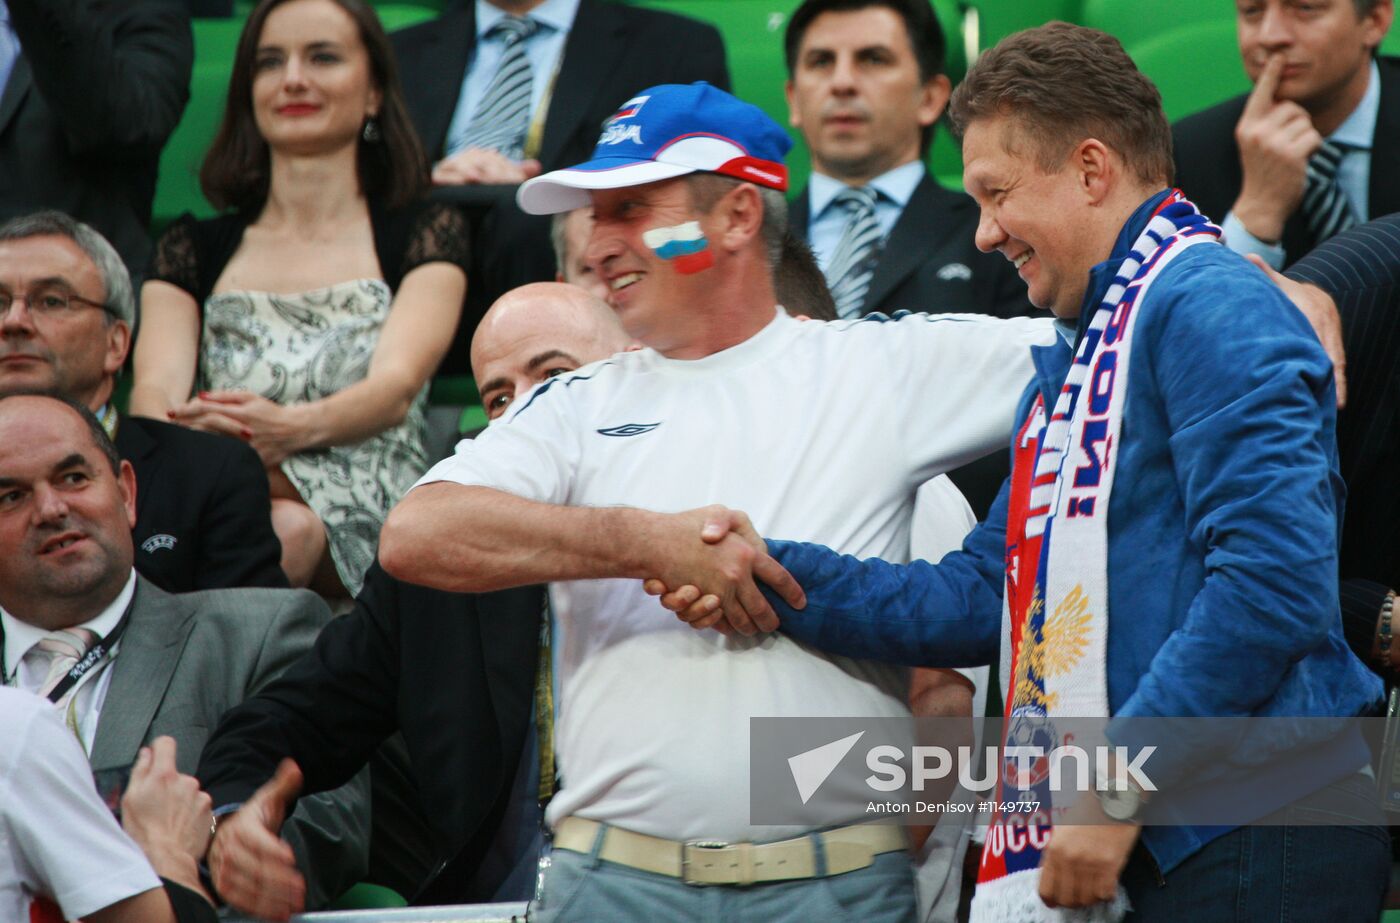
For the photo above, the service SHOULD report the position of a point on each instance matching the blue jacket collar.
(1052, 362)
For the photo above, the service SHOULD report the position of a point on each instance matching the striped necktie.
(1325, 208)
(853, 262)
(502, 117)
(64, 649)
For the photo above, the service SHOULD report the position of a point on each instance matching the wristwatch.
(1121, 799)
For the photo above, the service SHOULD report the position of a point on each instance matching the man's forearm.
(475, 540)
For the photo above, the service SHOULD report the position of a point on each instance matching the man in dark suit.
(1312, 149)
(1358, 271)
(455, 674)
(586, 57)
(866, 88)
(148, 663)
(94, 90)
(203, 519)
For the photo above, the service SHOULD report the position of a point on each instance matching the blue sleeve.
(1248, 397)
(919, 614)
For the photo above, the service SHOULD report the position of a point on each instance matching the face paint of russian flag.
(684, 245)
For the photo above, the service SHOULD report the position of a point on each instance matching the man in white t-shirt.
(819, 431)
(63, 855)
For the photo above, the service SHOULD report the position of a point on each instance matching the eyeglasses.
(50, 301)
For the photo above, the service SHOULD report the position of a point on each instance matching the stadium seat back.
(1195, 66)
(1134, 22)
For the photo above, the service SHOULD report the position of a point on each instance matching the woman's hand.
(273, 430)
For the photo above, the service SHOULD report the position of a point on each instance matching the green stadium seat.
(177, 188)
(365, 896)
(1134, 22)
(753, 39)
(1195, 66)
(994, 20)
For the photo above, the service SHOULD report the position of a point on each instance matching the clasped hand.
(712, 582)
(270, 428)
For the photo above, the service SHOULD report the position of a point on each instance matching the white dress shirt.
(28, 673)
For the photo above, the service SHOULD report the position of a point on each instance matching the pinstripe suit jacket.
(1360, 269)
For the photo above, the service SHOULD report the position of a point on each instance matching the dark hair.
(118, 301)
(920, 24)
(1063, 83)
(236, 170)
(94, 425)
(800, 286)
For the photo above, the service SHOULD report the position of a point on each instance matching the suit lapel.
(595, 45)
(442, 65)
(146, 659)
(1384, 194)
(15, 90)
(136, 446)
(918, 233)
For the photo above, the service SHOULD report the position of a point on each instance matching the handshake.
(707, 569)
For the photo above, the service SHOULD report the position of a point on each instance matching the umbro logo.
(951, 271)
(628, 429)
(159, 542)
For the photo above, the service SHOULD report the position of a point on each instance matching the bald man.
(466, 827)
(536, 332)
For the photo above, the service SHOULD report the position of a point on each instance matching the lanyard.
(96, 655)
(94, 658)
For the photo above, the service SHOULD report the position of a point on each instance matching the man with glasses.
(66, 315)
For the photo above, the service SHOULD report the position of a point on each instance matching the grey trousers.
(577, 887)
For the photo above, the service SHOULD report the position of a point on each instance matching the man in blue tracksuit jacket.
(1224, 516)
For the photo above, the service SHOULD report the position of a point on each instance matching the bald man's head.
(536, 332)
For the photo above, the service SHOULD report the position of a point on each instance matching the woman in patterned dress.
(310, 316)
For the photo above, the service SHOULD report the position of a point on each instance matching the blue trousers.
(584, 888)
(1288, 868)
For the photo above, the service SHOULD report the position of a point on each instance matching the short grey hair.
(560, 241)
(117, 295)
(708, 188)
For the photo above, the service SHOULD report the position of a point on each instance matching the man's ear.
(1378, 20)
(1096, 167)
(741, 217)
(126, 485)
(794, 117)
(934, 99)
(118, 334)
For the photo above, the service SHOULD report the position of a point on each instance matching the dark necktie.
(1325, 208)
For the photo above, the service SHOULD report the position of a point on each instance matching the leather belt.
(701, 862)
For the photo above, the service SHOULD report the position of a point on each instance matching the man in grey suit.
(123, 661)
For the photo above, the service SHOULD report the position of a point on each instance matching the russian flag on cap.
(665, 132)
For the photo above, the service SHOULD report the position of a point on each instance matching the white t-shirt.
(57, 839)
(820, 432)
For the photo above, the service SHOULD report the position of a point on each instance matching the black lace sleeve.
(438, 234)
(176, 258)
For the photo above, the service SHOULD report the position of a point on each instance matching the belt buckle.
(685, 859)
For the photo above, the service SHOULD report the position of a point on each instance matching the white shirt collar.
(556, 14)
(21, 636)
(897, 185)
(1359, 129)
